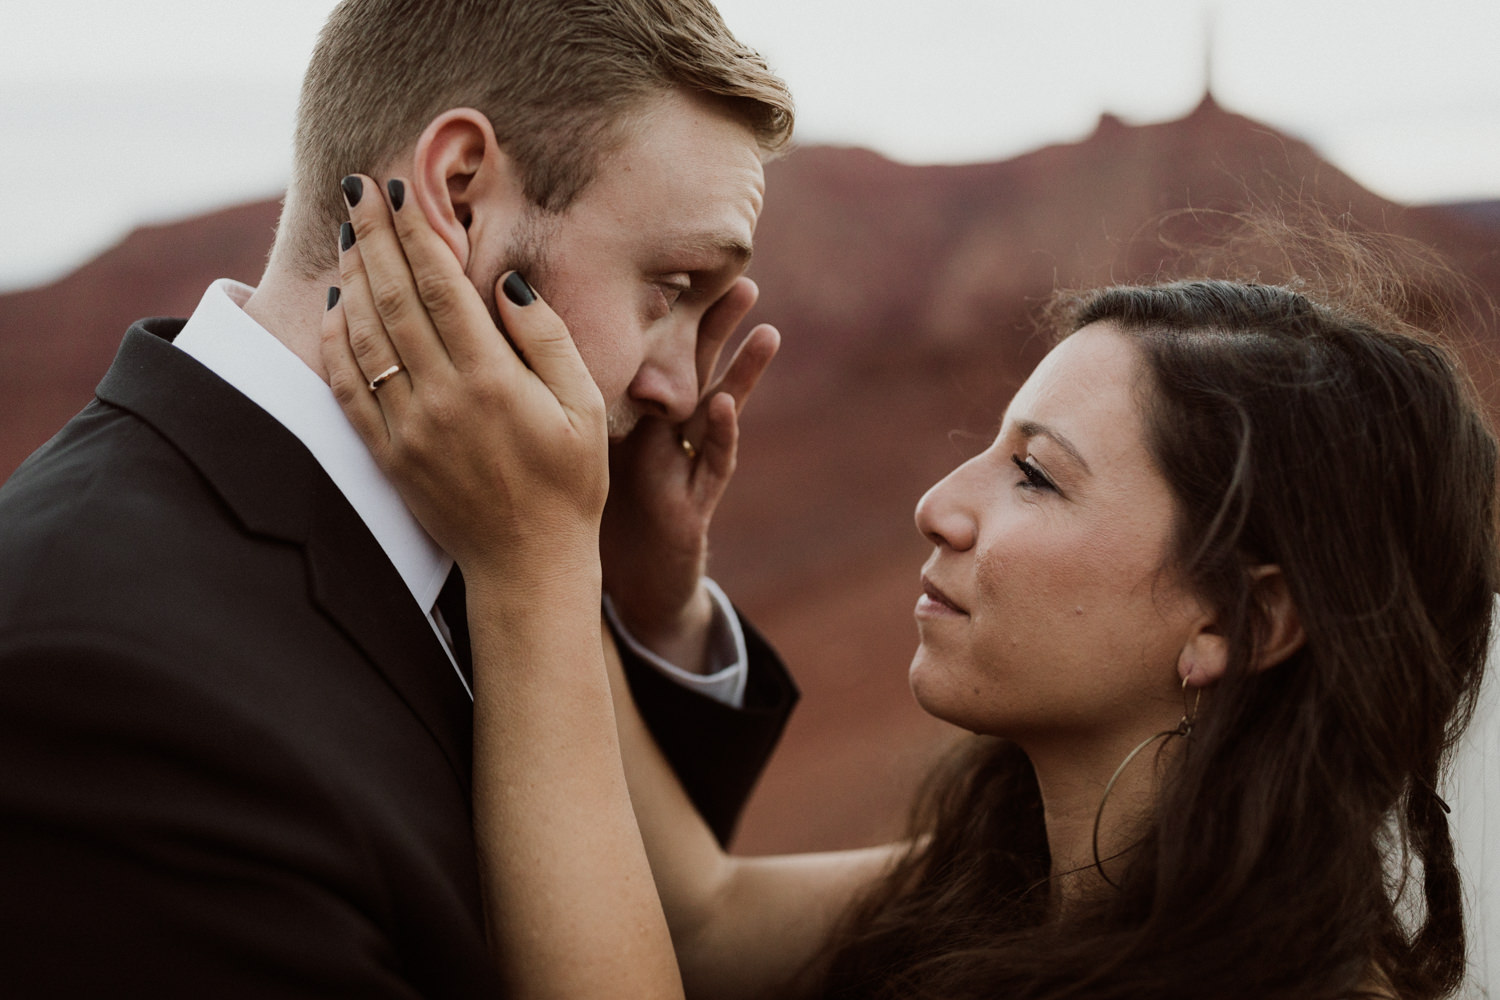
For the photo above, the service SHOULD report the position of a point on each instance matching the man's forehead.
(692, 151)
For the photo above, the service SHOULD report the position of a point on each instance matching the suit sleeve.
(718, 752)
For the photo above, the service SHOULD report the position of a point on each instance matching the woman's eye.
(1036, 479)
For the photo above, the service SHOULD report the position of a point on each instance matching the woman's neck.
(1073, 775)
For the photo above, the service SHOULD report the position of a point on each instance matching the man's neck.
(291, 308)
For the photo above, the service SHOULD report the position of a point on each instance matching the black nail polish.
(354, 189)
(333, 296)
(346, 236)
(398, 194)
(517, 290)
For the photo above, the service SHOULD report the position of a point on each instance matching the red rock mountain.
(905, 296)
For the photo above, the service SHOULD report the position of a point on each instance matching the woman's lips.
(934, 602)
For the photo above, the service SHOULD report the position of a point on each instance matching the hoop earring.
(1184, 728)
(1189, 716)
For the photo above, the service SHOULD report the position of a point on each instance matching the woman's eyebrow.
(1032, 429)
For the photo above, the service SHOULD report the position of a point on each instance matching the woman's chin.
(961, 698)
(934, 691)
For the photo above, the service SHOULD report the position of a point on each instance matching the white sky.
(116, 113)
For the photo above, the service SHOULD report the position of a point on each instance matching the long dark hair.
(1299, 847)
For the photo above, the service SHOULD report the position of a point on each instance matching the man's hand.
(665, 482)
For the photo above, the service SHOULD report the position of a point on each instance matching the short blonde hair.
(555, 77)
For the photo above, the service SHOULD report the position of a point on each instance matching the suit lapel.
(277, 489)
(364, 594)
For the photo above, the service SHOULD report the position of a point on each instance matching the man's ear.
(462, 181)
(1280, 626)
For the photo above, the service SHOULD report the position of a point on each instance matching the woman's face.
(1047, 610)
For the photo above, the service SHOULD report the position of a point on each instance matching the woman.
(1217, 598)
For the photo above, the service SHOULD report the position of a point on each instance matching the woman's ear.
(1204, 657)
(1279, 625)
(460, 175)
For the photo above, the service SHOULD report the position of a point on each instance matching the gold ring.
(383, 378)
(687, 448)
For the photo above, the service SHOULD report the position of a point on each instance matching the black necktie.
(456, 616)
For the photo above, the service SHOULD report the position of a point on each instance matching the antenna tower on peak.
(1210, 24)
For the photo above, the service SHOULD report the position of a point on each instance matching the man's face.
(635, 262)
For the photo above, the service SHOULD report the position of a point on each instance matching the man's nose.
(666, 385)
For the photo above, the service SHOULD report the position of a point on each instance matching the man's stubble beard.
(526, 253)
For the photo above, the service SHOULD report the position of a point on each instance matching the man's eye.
(667, 293)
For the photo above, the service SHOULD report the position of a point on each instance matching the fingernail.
(346, 236)
(398, 194)
(333, 296)
(517, 290)
(354, 189)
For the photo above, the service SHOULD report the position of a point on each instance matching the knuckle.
(399, 451)
(554, 338)
(593, 410)
(411, 440)
(364, 223)
(442, 417)
(547, 326)
(715, 327)
(446, 314)
(389, 298)
(436, 290)
(366, 340)
(345, 386)
(489, 394)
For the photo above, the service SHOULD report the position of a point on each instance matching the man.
(234, 694)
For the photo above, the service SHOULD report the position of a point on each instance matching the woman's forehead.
(1085, 385)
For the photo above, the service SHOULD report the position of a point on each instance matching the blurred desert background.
(906, 296)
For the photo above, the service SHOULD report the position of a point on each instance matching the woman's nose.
(945, 514)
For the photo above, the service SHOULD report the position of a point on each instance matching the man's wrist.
(683, 639)
(724, 667)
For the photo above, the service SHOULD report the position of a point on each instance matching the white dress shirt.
(226, 341)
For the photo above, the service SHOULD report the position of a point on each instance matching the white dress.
(1473, 792)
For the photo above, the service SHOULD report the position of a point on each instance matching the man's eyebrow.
(1032, 429)
(731, 250)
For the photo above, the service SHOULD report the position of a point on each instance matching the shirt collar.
(222, 337)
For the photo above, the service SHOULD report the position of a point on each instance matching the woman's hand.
(501, 452)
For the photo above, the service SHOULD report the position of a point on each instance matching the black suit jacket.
(234, 759)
